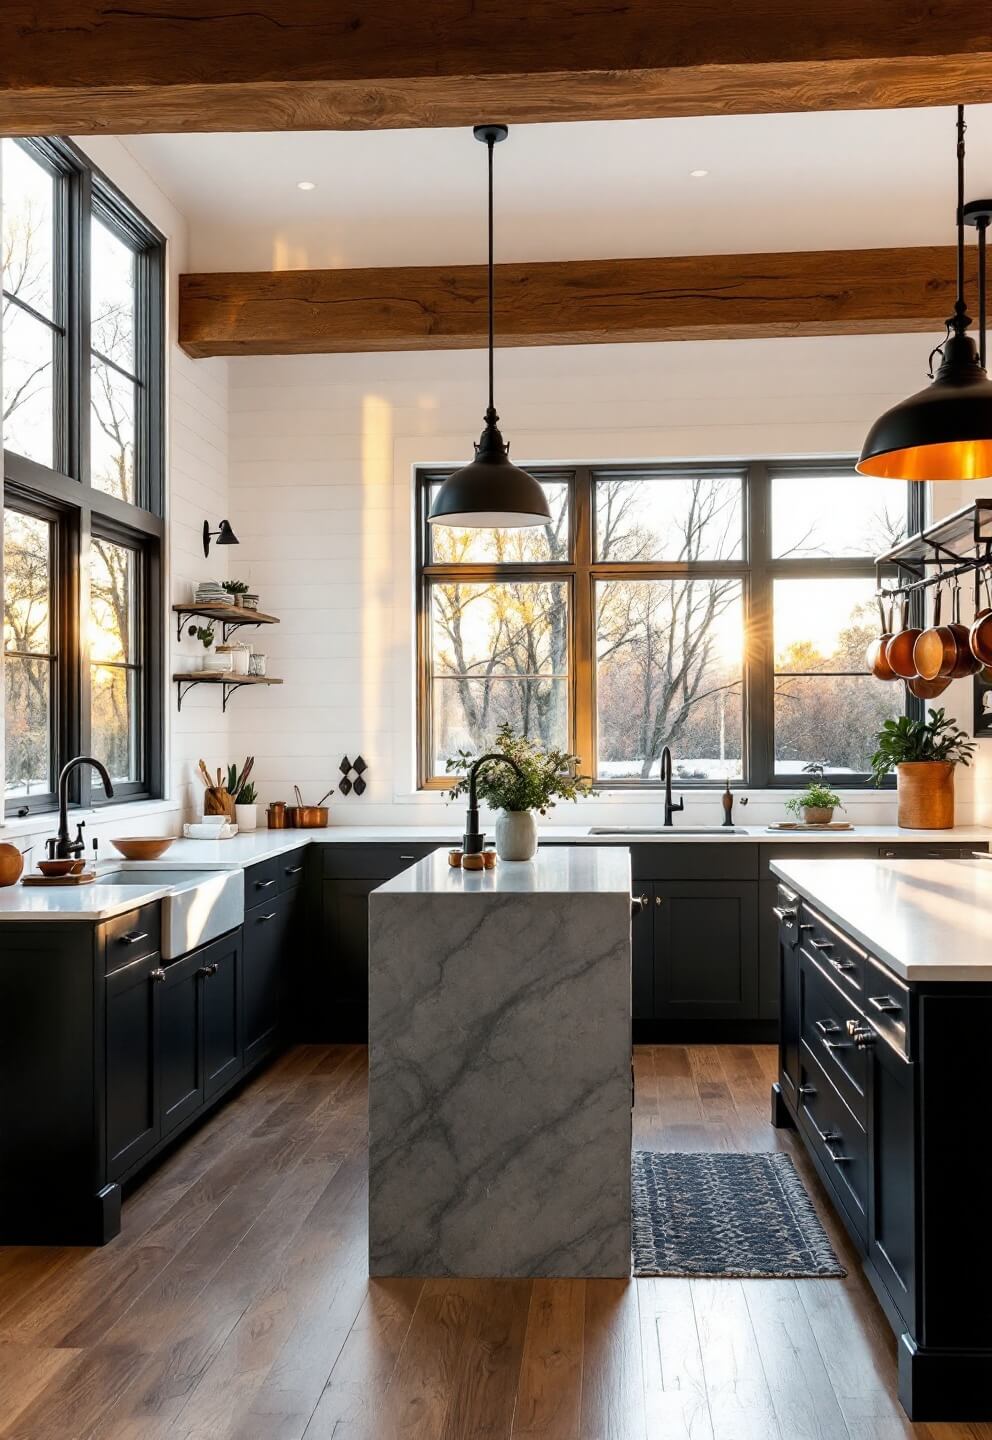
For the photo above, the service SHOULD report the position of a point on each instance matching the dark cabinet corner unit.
(883, 1082)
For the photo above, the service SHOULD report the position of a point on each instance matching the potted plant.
(205, 635)
(923, 754)
(245, 806)
(817, 802)
(547, 775)
(237, 589)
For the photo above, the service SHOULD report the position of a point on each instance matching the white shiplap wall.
(322, 450)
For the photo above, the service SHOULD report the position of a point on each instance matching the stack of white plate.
(211, 592)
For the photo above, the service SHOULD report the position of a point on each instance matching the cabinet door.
(706, 949)
(642, 954)
(265, 973)
(133, 1126)
(219, 972)
(180, 1054)
(338, 998)
(892, 1216)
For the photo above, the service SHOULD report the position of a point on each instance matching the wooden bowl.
(54, 868)
(143, 847)
(11, 864)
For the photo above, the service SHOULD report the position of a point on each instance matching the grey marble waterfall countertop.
(924, 919)
(589, 870)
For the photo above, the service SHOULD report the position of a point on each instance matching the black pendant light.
(490, 491)
(945, 431)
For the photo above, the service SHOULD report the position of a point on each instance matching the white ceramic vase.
(516, 835)
(246, 817)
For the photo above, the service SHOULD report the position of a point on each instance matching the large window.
(82, 437)
(721, 610)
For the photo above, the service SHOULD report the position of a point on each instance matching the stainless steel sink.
(200, 906)
(670, 832)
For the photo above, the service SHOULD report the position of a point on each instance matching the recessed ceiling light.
(305, 185)
(698, 174)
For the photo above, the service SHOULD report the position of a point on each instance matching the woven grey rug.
(720, 1214)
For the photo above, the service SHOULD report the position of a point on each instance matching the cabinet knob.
(157, 974)
(638, 904)
(862, 1035)
(207, 970)
(657, 901)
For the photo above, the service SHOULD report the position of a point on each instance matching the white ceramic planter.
(246, 817)
(516, 835)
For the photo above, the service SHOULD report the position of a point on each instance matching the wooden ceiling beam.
(576, 302)
(90, 66)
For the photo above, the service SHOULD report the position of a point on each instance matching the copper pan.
(965, 662)
(926, 689)
(875, 659)
(980, 634)
(935, 652)
(899, 650)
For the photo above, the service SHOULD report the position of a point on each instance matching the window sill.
(93, 815)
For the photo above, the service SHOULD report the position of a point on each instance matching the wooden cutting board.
(85, 877)
(798, 825)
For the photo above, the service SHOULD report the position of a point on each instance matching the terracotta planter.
(926, 794)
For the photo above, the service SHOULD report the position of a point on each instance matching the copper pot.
(307, 817)
(875, 658)
(980, 634)
(965, 662)
(899, 650)
(926, 689)
(935, 651)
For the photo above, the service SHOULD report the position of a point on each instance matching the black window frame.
(756, 569)
(65, 489)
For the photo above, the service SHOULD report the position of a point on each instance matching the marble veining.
(499, 1109)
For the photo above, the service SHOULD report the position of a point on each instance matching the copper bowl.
(143, 847)
(57, 868)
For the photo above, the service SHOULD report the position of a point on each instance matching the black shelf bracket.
(227, 689)
(228, 627)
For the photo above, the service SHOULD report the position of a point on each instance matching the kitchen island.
(886, 1014)
(500, 1068)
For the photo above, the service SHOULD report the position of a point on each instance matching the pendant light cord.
(983, 226)
(491, 416)
(960, 309)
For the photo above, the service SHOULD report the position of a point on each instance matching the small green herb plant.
(548, 775)
(235, 587)
(816, 796)
(203, 633)
(248, 794)
(905, 740)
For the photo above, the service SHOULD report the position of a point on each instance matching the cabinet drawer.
(824, 943)
(836, 1138)
(130, 936)
(825, 1013)
(292, 869)
(917, 851)
(374, 862)
(262, 880)
(886, 1004)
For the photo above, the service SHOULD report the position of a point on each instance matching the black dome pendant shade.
(945, 431)
(490, 491)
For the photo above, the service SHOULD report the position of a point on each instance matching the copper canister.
(276, 815)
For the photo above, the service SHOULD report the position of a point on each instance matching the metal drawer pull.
(262, 918)
(638, 904)
(408, 857)
(822, 944)
(862, 1035)
(807, 1089)
(785, 917)
(207, 970)
(263, 884)
(827, 1027)
(844, 966)
(293, 869)
(157, 974)
(132, 937)
(885, 1004)
(831, 1137)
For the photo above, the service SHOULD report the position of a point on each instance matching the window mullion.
(82, 313)
(581, 660)
(759, 680)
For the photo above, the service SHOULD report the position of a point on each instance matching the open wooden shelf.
(231, 617)
(224, 678)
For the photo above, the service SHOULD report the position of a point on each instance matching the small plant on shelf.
(237, 589)
(205, 635)
(816, 804)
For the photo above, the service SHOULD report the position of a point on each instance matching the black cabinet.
(133, 1122)
(220, 974)
(179, 1042)
(338, 992)
(892, 1216)
(266, 974)
(705, 949)
(642, 953)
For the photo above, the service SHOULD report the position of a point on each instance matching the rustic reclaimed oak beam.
(86, 66)
(694, 297)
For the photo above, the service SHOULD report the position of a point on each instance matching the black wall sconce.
(224, 535)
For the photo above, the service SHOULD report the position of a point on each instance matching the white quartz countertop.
(924, 919)
(75, 902)
(592, 870)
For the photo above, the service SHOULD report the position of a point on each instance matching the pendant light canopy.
(490, 491)
(945, 431)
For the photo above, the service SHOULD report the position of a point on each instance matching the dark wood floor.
(236, 1303)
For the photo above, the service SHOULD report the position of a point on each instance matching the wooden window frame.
(757, 570)
(65, 491)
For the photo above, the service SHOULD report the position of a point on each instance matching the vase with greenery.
(205, 635)
(817, 803)
(545, 777)
(923, 753)
(237, 589)
(245, 803)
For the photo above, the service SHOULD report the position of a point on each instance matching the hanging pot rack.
(960, 544)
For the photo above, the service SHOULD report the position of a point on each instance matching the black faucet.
(473, 839)
(666, 775)
(62, 846)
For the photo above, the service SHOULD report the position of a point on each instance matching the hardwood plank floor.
(236, 1305)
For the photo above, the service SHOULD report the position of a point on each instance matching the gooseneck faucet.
(473, 839)
(65, 848)
(666, 775)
